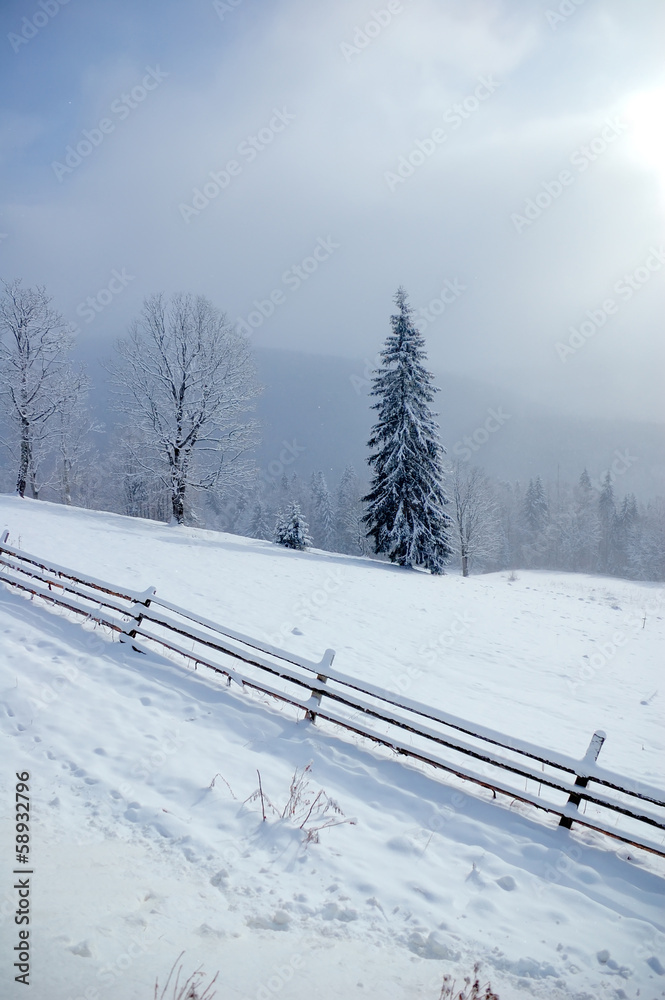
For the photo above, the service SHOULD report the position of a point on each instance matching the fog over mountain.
(315, 413)
(322, 405)
(296, 162)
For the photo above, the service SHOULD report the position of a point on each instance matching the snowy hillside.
(141, 843)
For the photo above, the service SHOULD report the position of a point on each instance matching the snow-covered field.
(137, 856)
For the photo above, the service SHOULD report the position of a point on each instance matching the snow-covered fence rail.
(553, 782)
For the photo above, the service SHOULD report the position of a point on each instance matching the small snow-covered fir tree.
(323, 512)
(280, 527)
(406, 514)
(607, 516)
(259, 522)
(535, 506)
(535, 523)
(647, 545)
(625, 529)
(292, 529)
(581, 543)
(349, 529)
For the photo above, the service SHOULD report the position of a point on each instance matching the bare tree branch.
(186, 378)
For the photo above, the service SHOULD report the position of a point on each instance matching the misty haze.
(332, 494)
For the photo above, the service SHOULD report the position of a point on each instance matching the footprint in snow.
(427, 894)
(82, 949)
(279, 921)
(332, 911)
(206, 931)
(434, 946)
(145, 701)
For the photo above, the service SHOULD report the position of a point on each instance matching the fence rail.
(611, 804)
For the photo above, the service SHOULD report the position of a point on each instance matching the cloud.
(353, 118)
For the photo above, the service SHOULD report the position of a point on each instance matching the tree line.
(184, 386)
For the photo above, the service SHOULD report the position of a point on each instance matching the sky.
(296, 162)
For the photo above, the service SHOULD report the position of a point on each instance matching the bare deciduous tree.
(76, 462)
(475, 515)
(185, 378)
(37, 379)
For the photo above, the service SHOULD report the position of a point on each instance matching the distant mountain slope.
(320, 407)
(315, 414)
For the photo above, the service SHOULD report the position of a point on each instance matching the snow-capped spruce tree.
(607, 517)
(259, 522)
(349, 529)
(535, 520)
(406, 516)
(625, 529)
(280, 527)
(581, 543)
(535, 506)
(323, 513)
(291, 529)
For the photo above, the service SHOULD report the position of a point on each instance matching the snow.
(137, 855)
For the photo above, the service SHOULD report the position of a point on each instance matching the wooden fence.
(577, 791)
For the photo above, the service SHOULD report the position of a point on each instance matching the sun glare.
(645, 115)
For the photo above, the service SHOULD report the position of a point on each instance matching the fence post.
(316, 697)
(581, 781)
(145, 603)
